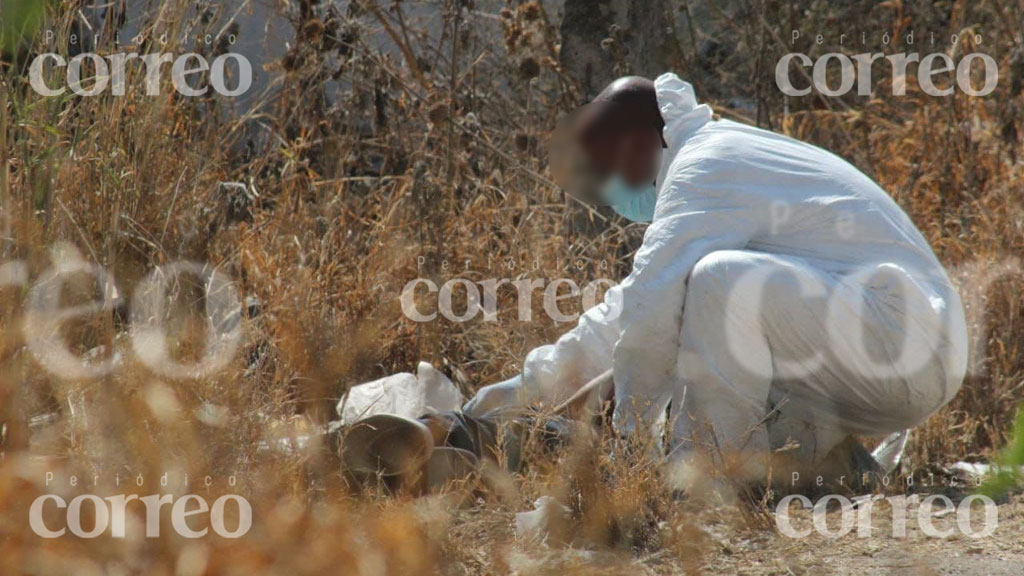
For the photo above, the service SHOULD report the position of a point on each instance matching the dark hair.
(626, 104)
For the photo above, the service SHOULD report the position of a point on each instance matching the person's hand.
(497, 399)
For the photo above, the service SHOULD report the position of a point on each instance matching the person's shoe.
(385, 445)
(447, 465)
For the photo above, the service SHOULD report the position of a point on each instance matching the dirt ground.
(721, 543)
(1000, 553)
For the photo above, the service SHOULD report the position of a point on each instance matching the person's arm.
(696, 215)
(552, 373)
(685, 228)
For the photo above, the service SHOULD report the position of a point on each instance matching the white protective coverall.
(779, 295)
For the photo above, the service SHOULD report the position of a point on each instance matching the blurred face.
(632, 154)
(587, 151)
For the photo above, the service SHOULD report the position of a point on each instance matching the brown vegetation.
(356, 162)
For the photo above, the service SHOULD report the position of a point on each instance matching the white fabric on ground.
(403, 394)
(774, 274)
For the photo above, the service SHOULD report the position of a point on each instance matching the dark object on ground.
(426, 454)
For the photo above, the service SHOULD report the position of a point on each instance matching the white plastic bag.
(889, 453)
(403, 394)
(547, 513)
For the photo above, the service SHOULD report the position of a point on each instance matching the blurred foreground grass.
(381, 152)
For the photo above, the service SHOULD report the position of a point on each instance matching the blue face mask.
(634, 203)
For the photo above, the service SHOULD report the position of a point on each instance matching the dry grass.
(416, 154)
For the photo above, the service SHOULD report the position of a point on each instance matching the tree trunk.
(605, 39)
